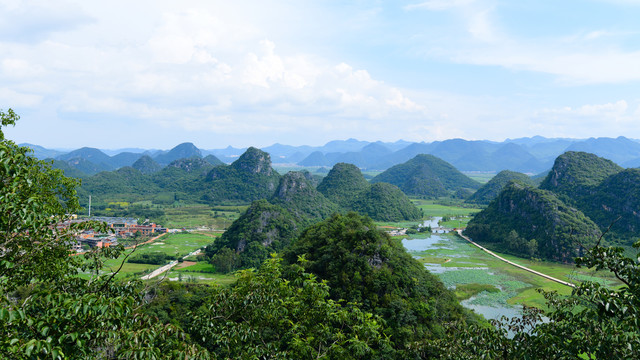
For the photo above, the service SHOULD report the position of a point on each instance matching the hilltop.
(493, 187)
(533, 222)
(528, 155)
(426, 175)
(581, 191)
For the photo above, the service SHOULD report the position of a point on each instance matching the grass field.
(178, 244)
(192, 216)
(430, 209)
(458, 263)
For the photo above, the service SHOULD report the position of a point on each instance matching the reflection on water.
(495, 312)
(490, 305)
(433, 222)
(422, 244)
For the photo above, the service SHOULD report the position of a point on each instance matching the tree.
(265, 315)
(46, 309)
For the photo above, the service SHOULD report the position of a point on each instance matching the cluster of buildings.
(121, 228)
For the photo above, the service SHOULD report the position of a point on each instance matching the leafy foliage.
(364, 265)
(46, 309)
(265, 315)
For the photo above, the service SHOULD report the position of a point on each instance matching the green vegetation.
(427, 176)
(146, 165)
(575, 173)
(153, 258)
(346, 186)
(385, 202)
(342, 183)
(46, 309)
(297, 194)
(364, 265)
(532, 222)
(431, 208)
(491, 189)
(249, 178)
(347, 291)
(262, 229)
(185, 180)
(465, 291)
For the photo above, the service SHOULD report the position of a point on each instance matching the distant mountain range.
(530, 155)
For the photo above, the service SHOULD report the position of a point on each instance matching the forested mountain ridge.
(297, 194)
(249, 178)
(363, 265)
(533, 222)
(346, 186)
(426, 175)
(579, 186)
(528, 155)
(342, 182)
(271, 225)
(492, 188)
(578, 173)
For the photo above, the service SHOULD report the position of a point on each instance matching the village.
(121, 228)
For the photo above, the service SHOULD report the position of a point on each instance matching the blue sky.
(153, 74)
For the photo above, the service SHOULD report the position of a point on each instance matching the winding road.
(514, 264)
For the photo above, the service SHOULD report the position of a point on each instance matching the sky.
(156, 73)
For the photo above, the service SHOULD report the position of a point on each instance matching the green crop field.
(457, 263)
(430, 208)
(178, 244)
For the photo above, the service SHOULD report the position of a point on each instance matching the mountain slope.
(533, 222)
(182, 151)
(426, 175)
(249, 178)
(491, 189)
(342, 183)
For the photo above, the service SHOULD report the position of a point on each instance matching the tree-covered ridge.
(297, 194)
(575, 174)
(192, 164)
(426, 175)
(211, 159)
(249, 178)
(341, 184)
(492, 188)
(385, 202)
(534, 223)
(146, 165)
(262, 229)
(364, 265)
(295, 205)
(346, 186)
(616, 203)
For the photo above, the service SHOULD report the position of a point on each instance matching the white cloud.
(439, 4)
(617, 109)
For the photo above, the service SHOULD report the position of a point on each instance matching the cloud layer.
(219, 73)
